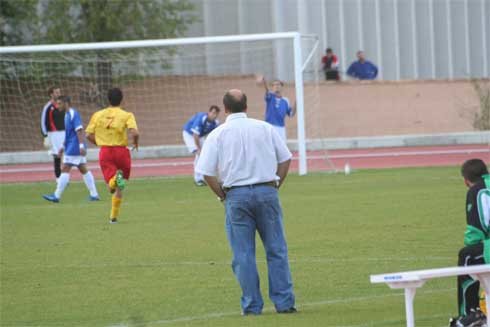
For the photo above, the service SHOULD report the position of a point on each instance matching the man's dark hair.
(51, 89)
(233, 104)
(64, 98)
(473, 170)
(329, 50)
(115, 96)
(214, 107)
(278, 80)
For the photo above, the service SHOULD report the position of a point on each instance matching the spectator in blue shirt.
(362, 68)
(195, 131)
(277, 107)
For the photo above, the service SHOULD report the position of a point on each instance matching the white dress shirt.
(242, 151)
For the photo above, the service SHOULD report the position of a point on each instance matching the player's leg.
(122, 160)
(57, 166)
(108, 167)
(191, 146)
(199, 178)
(88, 179)
(62, 182)
(56, 139)
(468, 288)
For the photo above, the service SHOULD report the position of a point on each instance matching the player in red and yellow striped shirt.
(109, 129)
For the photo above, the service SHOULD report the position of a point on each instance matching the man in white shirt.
(244, 161)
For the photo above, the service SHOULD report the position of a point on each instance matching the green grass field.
(167, 263)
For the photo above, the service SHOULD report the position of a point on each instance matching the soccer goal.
(164, 82)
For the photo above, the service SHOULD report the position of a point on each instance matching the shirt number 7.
(109, 124)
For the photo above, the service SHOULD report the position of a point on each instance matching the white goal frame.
(295, 37)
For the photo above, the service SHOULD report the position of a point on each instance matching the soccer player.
(277, 107)
(53, 127)
(75, 150)
(476, 240)
(108, 129)
(194, 134)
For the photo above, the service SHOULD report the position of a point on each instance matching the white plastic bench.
(411, 280)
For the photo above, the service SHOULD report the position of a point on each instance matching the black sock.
(57, 167)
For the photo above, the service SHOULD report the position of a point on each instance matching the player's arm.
(81, 141)
(474, 230)
(44, 129)
(260, 79)
(91, 138)
(90, 130)
(135, 137)
(197, 142)
(133, 131)
(293, 109)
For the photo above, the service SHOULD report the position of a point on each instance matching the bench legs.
(410, 290)
(409, 296)
(484, 279)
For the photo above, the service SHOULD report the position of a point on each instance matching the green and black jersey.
(478, 216)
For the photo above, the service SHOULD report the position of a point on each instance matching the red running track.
(317, 161)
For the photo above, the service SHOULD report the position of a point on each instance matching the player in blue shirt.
(75, 150)
(195, 131)
(362, 69)
(277, 107)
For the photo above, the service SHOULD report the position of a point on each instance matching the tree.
(115, 20)
(18, 21)
(77, 21)
(481, 119)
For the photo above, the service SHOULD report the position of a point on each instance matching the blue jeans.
(248, 209)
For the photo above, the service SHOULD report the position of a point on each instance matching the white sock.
(63, 180)
(89, 180)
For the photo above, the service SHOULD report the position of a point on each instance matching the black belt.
(271, 183)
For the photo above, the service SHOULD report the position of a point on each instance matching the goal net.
(164, 83)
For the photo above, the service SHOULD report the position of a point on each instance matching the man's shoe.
(200, 183)
(51, 197)
(120, 182)
(454, 322)
(93, 198)
(475, 318)
(113, 221)
(290, 310)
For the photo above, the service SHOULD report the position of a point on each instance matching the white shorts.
(74, 160)
(281, 131)
(189, 141)
(56, 139)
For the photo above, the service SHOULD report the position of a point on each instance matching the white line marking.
(270, 309)
(313, 157)
(227, 263)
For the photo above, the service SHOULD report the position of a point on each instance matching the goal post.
(78, 62)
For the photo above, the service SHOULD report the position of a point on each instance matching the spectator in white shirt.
(244, 161)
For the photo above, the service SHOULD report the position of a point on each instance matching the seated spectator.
(362, 69)
(330, 65)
